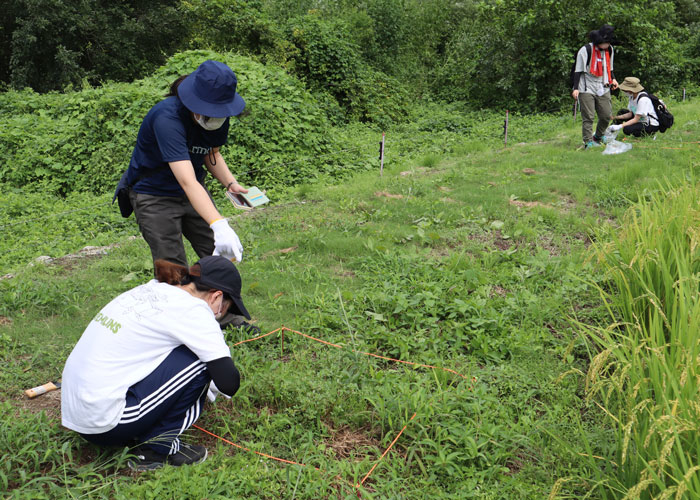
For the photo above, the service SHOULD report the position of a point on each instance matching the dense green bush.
(327, 59)
(82, 141)
(235, 25)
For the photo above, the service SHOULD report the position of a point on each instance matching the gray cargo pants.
(164, 220)
(590, 105)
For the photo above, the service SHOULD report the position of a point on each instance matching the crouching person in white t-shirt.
(640, 119)
(139, 374)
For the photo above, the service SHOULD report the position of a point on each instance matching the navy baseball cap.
(210, 90)
(219, 273)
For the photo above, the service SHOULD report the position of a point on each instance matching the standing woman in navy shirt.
(178, 142)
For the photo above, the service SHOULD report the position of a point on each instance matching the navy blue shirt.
(168, 134)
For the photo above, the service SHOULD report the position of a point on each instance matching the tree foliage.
(51, 44)
(504, 53)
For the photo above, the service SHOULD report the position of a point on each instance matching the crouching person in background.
(640, 117)
(140, 372)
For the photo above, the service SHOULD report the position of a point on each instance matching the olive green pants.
(590, 105)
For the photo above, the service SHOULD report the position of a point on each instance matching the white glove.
(213, 392)
(615, 128)
(226, 242)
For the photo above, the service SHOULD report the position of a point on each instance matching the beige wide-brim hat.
(631, 84)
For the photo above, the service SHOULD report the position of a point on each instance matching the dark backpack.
(662, 113)
(589, 53)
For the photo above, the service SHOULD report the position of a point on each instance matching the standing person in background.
(593, 80)
(640, 115)
(164, 184)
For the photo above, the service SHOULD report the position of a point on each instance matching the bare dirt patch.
(546, 243)
(583, 237)
(418, 170)
(528, 204)
(344, 273)
(564, 205)
(440, 252)
(445, 189)
(516, 463)
(502, 243)
(499, 291)
(346, 442)
(494, 239)
(4, 320)
(386, 194)
(70, 261)
(282, 251)
(49, 403)
(421, 170)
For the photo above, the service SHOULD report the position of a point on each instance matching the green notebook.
(247, 201)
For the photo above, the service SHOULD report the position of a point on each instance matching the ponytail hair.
(175, 274)
(172, 91)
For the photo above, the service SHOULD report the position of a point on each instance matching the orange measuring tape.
(358, 485)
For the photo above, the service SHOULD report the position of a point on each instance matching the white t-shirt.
(124, 343)
(643, 106)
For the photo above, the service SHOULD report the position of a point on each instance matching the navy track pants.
(161, 406)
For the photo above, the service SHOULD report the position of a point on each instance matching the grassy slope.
(477, 267)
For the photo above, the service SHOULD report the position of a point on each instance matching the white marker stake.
(381, 156)
(684, 94)
(505, 131)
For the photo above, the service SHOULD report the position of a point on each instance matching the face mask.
(208, 123)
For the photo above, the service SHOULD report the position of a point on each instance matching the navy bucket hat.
(211, 91)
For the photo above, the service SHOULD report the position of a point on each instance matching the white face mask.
(208, 123)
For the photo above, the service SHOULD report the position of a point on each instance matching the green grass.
(456, 257)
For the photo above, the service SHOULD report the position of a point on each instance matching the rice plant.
(646, 376)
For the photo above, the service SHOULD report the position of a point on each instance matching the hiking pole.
(575, 108)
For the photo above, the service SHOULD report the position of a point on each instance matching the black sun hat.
(219, 273)
(604, 34)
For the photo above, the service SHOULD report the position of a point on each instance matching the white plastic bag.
(613, 146)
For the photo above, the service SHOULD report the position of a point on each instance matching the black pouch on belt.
(122, 197)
